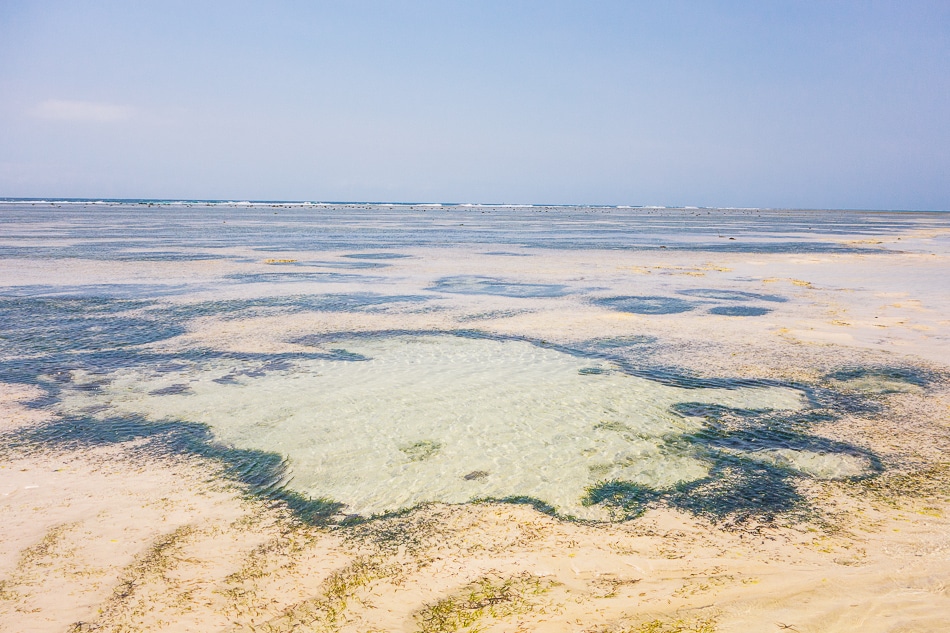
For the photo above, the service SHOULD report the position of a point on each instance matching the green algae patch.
(486, 599)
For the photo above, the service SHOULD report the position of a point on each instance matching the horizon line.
(245, 202)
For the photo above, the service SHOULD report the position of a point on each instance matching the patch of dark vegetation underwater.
(239, 308)
(863, 390)
(739, 491)
(38, 325)
(102, 333)
(620, 342)
(739, 488)
(731, 295)
(524, 500)
(660, 305)
(624, 500)
(537, 504)
(739, 311)
(736, 491)
(917, 376)
(54, 372)
(476, 285)
(263, 474)
(646, 304)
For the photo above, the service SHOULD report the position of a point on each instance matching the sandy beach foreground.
(129, 533)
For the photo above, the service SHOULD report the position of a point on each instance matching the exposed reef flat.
(540, 420)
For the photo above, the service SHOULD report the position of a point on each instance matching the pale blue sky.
(775, 104)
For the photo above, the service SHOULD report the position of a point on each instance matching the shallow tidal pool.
(385, 423)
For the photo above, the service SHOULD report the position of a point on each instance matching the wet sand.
(117, 536)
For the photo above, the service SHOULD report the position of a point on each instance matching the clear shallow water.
(396, 421)
(382, 422)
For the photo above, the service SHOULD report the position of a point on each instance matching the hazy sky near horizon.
(775, 104)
